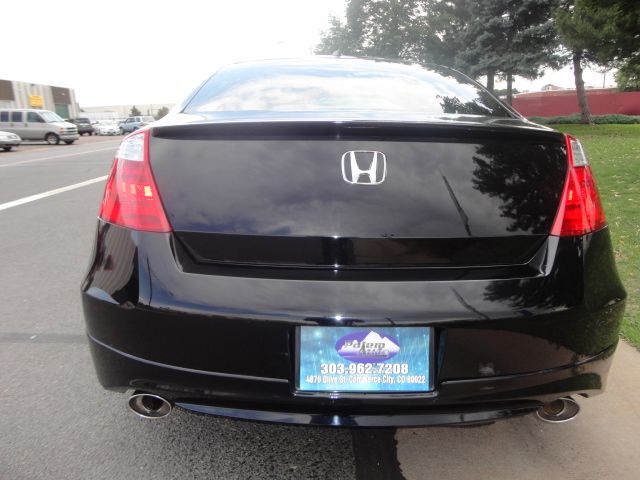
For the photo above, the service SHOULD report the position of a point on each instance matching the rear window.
(83, 120)
(343, 86)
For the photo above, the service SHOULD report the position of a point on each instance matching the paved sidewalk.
(603, 442)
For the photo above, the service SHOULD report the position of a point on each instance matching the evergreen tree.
(510, 37)
(618, 32)
(442, 32)
(628, 77)
(135, 112)
(161, 112)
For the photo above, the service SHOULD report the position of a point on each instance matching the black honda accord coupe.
(351, 242)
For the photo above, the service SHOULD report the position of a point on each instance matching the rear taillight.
(131, 196)
(580, 209)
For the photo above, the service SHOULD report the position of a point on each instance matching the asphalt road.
(57, 423)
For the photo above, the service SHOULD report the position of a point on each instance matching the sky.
(143, 52)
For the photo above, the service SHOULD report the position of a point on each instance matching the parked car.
(351, 242)
(106, 127)
(84, 125)
(9, 140)
(31, 124)
(132, 124)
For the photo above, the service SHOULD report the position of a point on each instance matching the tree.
(491, 37)
(425, 31)
(373, 28)
(161, 112)
(443, 32)
(575, 22)
(618, 42)
(628, 77)
(389, 28)
(510, 37)
(338, 39)
(620, 31)
(135, 112)
(345, 38)
(604, 33)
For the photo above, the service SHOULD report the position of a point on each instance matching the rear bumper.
(225, 343)
(272, 400)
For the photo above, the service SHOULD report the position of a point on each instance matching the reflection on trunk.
(502, 172)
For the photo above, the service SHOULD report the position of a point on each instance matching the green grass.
(614, 153)
(565, 120)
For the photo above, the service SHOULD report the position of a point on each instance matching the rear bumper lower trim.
(184, 369)
(374, 421)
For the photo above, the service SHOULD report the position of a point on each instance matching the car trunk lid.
(289, 194)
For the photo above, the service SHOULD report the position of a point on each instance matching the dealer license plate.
(364, 359)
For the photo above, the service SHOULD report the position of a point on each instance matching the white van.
(31, 124)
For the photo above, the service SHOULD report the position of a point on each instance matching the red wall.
(565, 102)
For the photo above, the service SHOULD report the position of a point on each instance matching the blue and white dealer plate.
(364, 359)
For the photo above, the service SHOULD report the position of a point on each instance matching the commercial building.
(123, 111)
(61, 100)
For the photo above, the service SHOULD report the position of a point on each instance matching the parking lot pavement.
(32, 146)
(57, 422)
(602, 442)
(43, 167)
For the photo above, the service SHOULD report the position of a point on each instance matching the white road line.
(39, 196)
(22, 162)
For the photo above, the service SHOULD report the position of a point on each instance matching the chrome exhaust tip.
(559, 411)
(147, 405)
